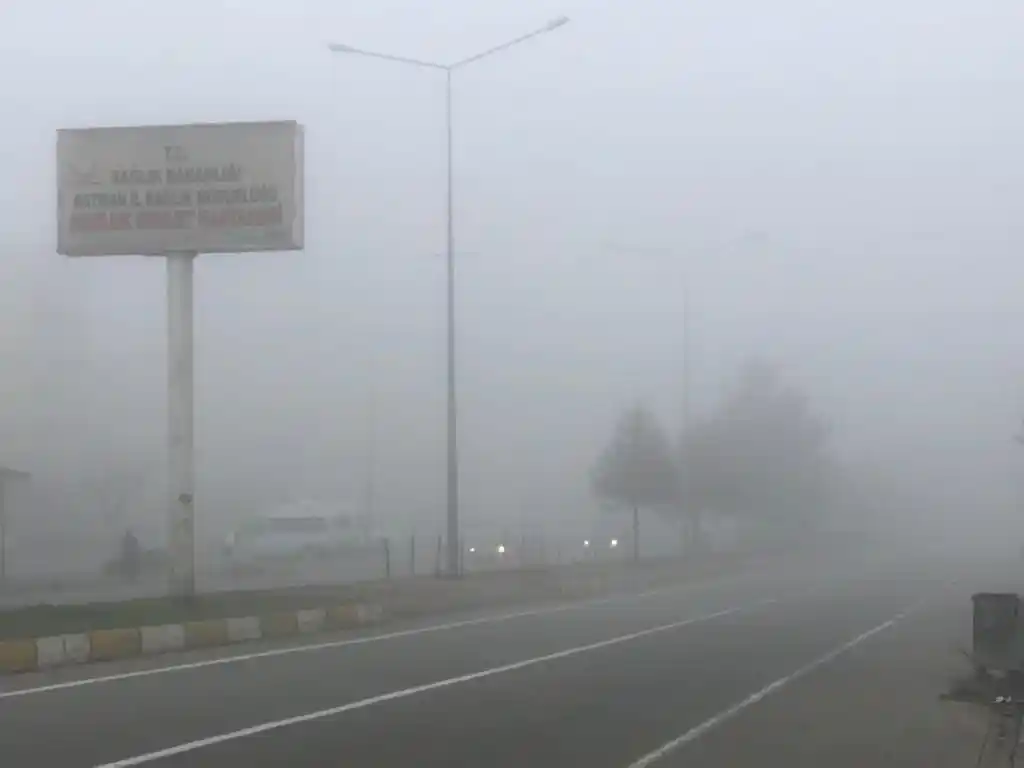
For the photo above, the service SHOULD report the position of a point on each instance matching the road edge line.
(403, 693)
(729, 713)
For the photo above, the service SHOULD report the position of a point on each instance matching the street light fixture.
(453, 453)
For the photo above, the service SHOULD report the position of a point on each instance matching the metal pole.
(3, 536)
(370, 491)
(685, 405)
(452, 559)
(180, 440)
(636, 535)
(453, 451)
(684, 460)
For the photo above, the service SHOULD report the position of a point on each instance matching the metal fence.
(393, 557)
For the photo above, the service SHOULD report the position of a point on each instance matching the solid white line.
(192, 746)
(713, 722)
(332, 644)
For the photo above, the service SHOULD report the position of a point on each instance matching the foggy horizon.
(836, 186)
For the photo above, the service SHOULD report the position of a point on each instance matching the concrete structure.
(7, 476)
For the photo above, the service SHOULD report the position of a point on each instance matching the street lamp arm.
(551, 26)
(342, 48)
(454, 553)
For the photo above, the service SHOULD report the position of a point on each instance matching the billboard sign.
(204, 188)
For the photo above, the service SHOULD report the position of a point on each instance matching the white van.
(298, 530)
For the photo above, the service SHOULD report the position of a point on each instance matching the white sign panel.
(213, 188)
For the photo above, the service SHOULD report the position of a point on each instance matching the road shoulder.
(876, 705)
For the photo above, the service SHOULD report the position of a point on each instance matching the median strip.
(35, 654)
(46, 637)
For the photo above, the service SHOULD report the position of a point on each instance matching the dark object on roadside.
(998, 632)
(996, 681)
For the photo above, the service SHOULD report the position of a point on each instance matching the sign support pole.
(180, 438)
(174, 192)
(3, 536)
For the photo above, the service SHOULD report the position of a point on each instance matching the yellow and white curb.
(41, 653)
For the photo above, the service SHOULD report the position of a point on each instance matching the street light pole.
(452, 518)
(687, 352)
(685, 475)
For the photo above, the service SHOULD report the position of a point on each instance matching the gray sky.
(838, 182)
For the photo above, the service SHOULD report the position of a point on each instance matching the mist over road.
(717, 671)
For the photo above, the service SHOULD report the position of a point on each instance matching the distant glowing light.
(586, 542)
(615, 543)
(501, 549)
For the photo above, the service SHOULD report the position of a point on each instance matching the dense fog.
(836, 186)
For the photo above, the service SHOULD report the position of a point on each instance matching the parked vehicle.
(305, 529)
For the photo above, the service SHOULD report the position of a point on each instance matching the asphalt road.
(793, 666)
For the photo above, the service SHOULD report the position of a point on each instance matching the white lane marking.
(332, 644)
(713, 722)
(192, 746)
